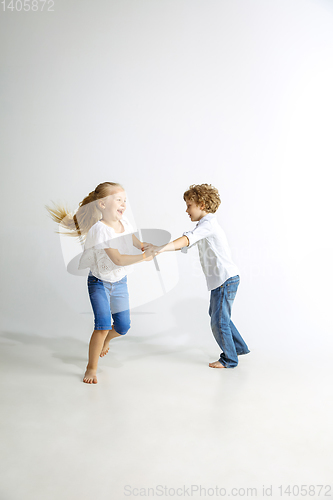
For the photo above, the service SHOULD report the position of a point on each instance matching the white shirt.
(214, 251)
(101, 236)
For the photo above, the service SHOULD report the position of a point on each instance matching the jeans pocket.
(231, 289)
(92, 280)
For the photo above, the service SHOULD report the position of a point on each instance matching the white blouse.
(99, 237)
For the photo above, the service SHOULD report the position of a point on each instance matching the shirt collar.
(207, 217)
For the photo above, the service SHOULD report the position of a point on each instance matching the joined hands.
(150, 250)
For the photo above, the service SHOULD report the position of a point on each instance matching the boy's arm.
(189, 238)
(177, 244)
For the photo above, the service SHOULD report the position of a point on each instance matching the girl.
(101, 223)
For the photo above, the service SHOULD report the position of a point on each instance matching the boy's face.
(196, 212)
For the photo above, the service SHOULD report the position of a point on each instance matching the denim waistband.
(231, 280)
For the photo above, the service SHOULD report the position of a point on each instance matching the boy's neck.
(203, 215)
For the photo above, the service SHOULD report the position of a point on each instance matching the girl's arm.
(126, 260)
(137, 243)
(177, 244)
(141, 245)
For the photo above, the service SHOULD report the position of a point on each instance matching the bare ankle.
(91, 368)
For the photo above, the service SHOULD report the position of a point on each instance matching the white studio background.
(158, 95)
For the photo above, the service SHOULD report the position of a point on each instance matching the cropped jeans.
(110, 301)
(226, 334)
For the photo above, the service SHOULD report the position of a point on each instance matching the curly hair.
(205, 194)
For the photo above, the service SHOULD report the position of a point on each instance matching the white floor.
(158, 420)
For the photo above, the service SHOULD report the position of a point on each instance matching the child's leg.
(99, 294)
(95, 347)
(119, 305)
(111, 335)
(241, 347)
(220, 311)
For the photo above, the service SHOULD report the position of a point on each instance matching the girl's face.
(114, 205)
(195, 212)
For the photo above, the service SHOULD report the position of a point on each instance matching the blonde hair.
(86, 215)
(205, 194)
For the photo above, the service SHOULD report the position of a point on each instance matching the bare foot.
(111, 335)
(105, 349)
(90, 377)
(216, 364)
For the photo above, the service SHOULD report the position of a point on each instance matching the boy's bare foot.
(216, 364)
(90, 377)
(105, 349)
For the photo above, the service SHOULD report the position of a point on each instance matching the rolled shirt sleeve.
(202, 230)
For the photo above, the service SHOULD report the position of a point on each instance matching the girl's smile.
(113, 208)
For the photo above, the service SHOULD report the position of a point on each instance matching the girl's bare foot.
(111, 335)
(216, 364)
(105, 349)
(90, 377)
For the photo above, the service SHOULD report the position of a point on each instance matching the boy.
(221, 273)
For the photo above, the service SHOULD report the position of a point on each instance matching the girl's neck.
(115, 224)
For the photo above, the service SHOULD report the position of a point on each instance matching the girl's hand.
(150, 253)
(145, 246)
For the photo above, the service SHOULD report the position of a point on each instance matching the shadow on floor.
(178, 342)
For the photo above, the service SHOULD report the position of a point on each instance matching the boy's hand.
(157, 249)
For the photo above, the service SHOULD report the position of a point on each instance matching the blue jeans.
(226, 334)
(110, 300)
